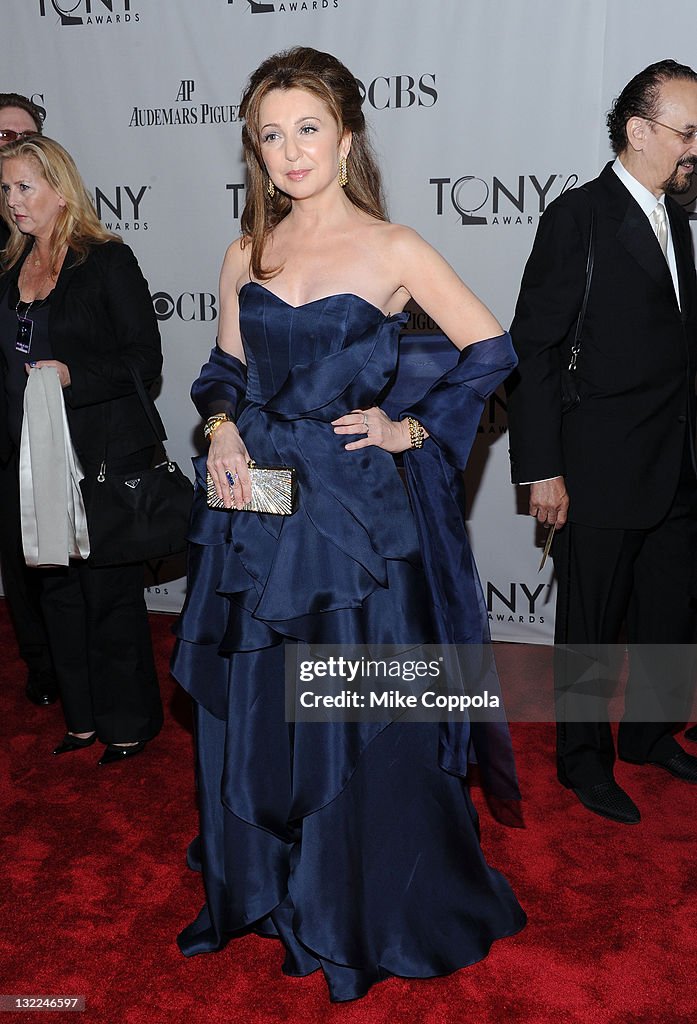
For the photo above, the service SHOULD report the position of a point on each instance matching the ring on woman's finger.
(231, 477)
(365, 421)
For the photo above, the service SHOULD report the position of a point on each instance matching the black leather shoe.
(70, 743)
(609, 801)
(691, 734)
(114, 752)
(680, 764)
(41, 688)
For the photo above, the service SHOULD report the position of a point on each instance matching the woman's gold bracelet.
(213, 422)
(417, 434)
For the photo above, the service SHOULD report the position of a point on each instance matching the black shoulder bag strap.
(154, 419)
(150, 410)
(590, 259)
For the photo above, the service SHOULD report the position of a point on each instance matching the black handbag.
(138, 516)
(570, 397)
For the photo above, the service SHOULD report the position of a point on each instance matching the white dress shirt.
(648, 202)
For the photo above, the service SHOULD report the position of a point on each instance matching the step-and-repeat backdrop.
(482, 112)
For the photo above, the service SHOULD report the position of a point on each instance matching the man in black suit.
(20, 116)
(620, 464)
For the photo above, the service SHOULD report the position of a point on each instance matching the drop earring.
(343, 172)
(271, 188)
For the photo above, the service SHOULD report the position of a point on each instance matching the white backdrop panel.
(482, 112)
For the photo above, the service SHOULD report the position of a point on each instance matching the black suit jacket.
(101, 318)
(621, 448)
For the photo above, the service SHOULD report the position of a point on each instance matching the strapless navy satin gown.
(346, 841)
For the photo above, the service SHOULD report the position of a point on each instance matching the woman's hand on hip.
(378, 430)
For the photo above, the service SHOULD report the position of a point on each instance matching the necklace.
(37, 284)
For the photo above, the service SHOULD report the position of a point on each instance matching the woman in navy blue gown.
(356, 844)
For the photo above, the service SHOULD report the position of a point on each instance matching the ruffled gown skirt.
(388, 878)
(348, 841)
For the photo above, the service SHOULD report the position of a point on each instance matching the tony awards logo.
(289, 6)
(119, 207)
(513, 201)
(89, 12)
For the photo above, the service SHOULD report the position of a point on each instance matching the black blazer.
(101, 318)
(621, 448)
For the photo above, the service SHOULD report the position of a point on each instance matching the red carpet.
(95, 890)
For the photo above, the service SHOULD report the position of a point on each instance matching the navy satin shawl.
(451, 411)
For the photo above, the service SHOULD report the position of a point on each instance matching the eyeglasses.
(687, 137)
(9, 136)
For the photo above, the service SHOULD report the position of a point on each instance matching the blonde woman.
(73, 297)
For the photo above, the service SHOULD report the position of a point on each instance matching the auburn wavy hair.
(327, 78)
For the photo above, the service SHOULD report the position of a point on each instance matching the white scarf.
(54, 522)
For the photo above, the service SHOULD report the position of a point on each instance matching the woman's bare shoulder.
(396, 238)
(235, 269)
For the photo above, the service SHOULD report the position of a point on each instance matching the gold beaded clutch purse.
(274, 491)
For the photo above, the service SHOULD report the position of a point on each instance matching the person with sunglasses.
(21, 118)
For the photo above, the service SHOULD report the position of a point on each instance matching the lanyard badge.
(25, 329)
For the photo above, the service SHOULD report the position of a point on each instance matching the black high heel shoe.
(70, 743)
(114, 752)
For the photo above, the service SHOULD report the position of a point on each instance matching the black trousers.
(644, 580)
(22, 586)
(99, 635)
